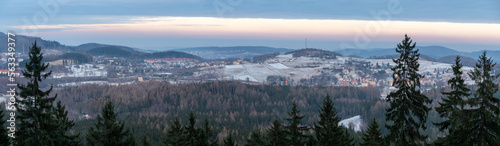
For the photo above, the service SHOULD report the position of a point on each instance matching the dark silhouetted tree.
(191, 133)
(229, 141)
(373, 136)
(276, 134)
(328, 131)
(482, 124)
(39, 122)
(145, 141)
(4, 138)
(408, 110)
(451, 107)
(108, 130)
(174, 134)
(294, 131)
(255, 139)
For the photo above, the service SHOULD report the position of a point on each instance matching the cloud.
(286, 29)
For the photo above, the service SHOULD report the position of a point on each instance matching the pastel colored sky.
(327, 24)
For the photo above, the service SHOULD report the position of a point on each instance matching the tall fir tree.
(108, 130)
(229, 141)
(4, 138)
(294, 131)
(408, 110)
(145, 141)
(191, 133)
(61, 117)
(482, 125)
(451, 107)
(276, 134)
(37, 118)
(328, 131)
(255, 139)
(174, 134)
(373, 136)
(205, 137)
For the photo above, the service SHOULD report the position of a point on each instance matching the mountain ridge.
(435, 52)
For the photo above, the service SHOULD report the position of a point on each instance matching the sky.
(326, 24)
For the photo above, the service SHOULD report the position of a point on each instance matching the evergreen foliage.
(294, 131)
(452, 106)
(4, 138)
(482, 124)
(108, 130)
(39, 122)
(190, 134)
(407, 111)
(328, 131)
(256, 139)
(229, 141)
(174, 134)
(373, 136)
(276, 134)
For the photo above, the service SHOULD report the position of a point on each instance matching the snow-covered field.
(355, 121)
(260, 72)
(84, 70)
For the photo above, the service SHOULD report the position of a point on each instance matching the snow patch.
(355, 121)
(278, 66)
(234, 66)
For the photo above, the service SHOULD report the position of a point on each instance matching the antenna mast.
(306, 43)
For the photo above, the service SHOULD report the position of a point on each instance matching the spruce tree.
(294, 130)
(451, 107)
(4, 138)
(482, 125)
(145, 141)
(205, 137)
(328, 131)
(373, 136)
(191, 132)
(276, 134)
(61, 117)
(255, 139)
(407, 111)
(108, 130)
(174, 134)
(36, 115)
(229, 141)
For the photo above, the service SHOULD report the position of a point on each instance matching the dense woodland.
(229, 106)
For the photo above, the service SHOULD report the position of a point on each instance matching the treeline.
(263, 58)
(75, 58)
(311, 52)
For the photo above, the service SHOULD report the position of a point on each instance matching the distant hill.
(466, 61)
(310, 52)
(110, 52)
(171, 54)
(88, 46)
(435, 52)
(76, 57)
(25, 42)
(432, 51)
(232, 52)
(422, 56)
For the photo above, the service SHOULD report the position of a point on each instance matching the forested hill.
(170, 54)
(24, 42)
(114, 51)
(310, 52)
